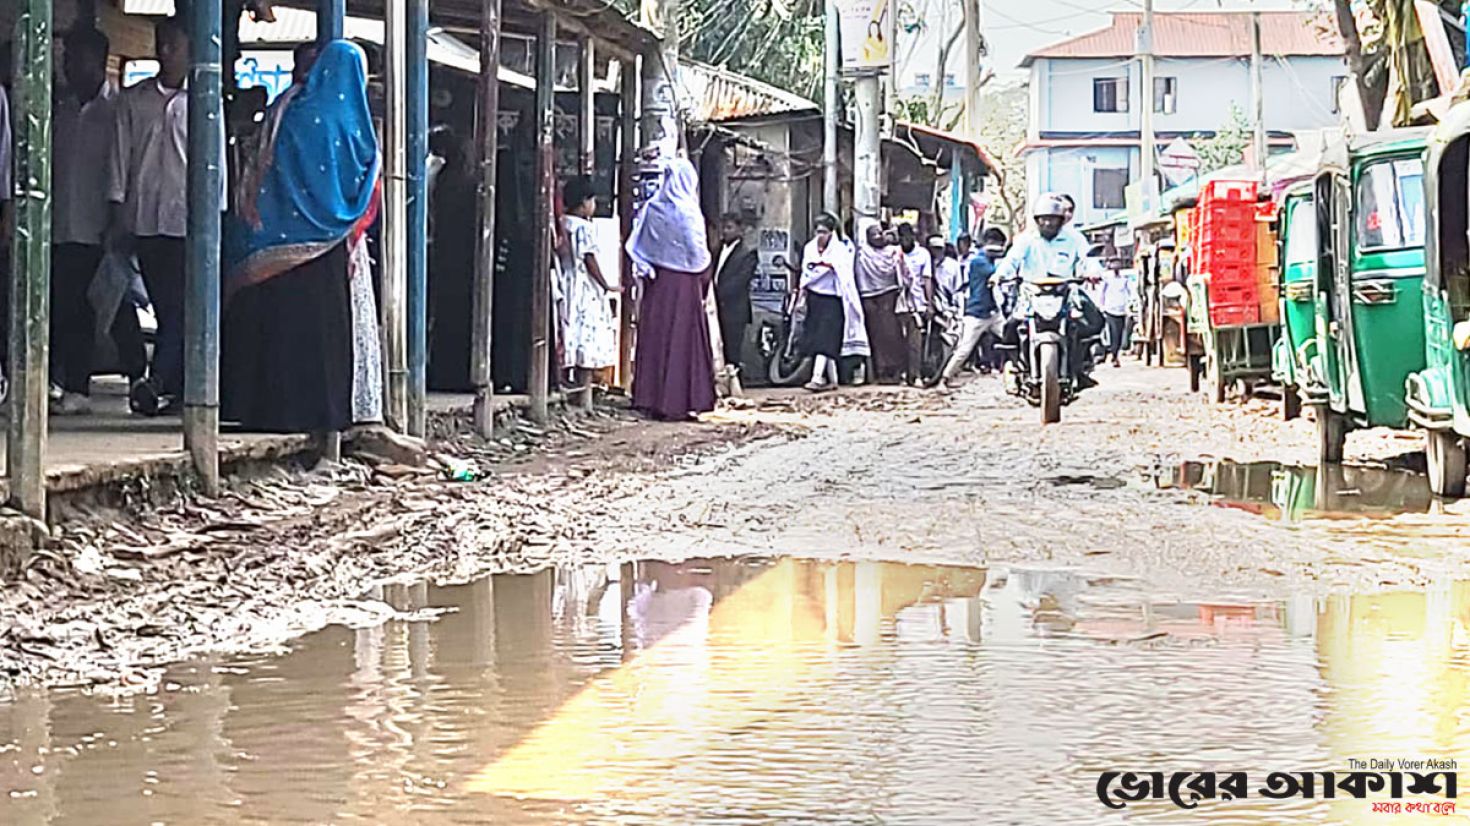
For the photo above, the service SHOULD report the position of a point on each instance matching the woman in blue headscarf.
(301, 345)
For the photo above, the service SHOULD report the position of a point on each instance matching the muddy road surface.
(894, 607)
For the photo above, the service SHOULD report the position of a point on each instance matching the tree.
(1227, 146)
(1003, 133)
(777, 41)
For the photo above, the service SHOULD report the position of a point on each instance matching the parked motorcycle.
(1039, 369)
(785, 364)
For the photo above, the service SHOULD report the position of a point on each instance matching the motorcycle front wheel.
(1049, 360)
(786, 370)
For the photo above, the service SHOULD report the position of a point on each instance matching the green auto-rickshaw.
(1439, 396)
(1369, 202)
(1295, 350)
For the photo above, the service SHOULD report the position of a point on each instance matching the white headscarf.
(670, 230)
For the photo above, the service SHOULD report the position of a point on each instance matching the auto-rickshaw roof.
(1338, 154)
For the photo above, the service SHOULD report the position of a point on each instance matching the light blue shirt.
(1033, 257)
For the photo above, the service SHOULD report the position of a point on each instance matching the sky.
(1017, 27)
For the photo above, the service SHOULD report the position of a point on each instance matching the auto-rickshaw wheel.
(1331, 435)
(1291, 402)
(1446, 463)
(1196, 366)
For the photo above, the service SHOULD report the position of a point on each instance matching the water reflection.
(1291, 493)
(759, 690)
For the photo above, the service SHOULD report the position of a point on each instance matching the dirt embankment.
(115, 595)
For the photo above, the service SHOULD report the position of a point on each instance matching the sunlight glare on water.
(761, 690)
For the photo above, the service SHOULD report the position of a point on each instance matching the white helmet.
(1050, 205)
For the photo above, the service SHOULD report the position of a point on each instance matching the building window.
(1107, 188)
(1339, 82)
(1110, 94)
(922, 80)
(1166, 95)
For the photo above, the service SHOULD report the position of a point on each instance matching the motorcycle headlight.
(1048, 307)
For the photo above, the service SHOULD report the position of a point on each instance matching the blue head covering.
(317, 173)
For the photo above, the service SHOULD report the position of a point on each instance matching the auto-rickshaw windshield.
(1390, 204)
(1301, 233)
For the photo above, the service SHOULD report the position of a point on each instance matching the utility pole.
(867, 163)
(831, 198)
(972, 69)
(1146, 104)
(660, 71)
(1258, 107)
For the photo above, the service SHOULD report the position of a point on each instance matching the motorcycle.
(785, 365)
(1040, 365)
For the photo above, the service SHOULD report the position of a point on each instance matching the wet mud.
(884, 605)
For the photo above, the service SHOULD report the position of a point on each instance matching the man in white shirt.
(1114, 304)
(916, 276)
(84, 126)
(147, 185)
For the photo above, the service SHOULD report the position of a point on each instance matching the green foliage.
(776, 41)
(1227, 147)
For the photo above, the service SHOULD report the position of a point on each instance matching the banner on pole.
(867, 33)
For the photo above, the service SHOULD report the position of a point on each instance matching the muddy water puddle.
(1290, 493)
(757, 691)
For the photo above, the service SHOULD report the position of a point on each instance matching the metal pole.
(867, 166)
(30, 277)
(627, 171)
(202, 247)
(487, 136)
(1258, 107)
(395, 221)
(832, 114)
(330, 18)
(417, 57)
(1146, 104)
(540, 372)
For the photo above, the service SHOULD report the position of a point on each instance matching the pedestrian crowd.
(300, 339)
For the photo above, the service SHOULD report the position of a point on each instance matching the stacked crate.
(1225, 244)
(1268, 267)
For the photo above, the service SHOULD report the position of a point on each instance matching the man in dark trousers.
(736, 263)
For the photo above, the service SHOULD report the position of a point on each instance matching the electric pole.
(972, 71)
(867, 157)
(1146, 104)
(1258, 107)
(831, 112)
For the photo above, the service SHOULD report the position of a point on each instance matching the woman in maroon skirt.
(673, 367)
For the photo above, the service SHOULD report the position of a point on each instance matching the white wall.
(1298, 93)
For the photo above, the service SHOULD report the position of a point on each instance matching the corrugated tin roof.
(1204, 34)
(718, 94)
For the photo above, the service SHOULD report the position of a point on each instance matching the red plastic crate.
(1228, 191)
(1234, 315)
(1227, 211)
(1230, 273)
(1240, 239)
(1230, 294)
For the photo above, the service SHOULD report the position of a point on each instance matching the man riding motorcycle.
(1048, 252)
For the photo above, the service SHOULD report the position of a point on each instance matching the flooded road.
(759, 690)
(921, 610)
